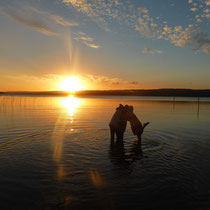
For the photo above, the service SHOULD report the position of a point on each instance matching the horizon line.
(126, 89)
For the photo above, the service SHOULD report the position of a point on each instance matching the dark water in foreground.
(55, 154)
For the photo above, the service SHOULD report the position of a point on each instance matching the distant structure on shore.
(136, 92)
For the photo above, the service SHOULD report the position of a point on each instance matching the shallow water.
(55, 153)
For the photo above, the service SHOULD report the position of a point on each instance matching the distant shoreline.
(134, 92)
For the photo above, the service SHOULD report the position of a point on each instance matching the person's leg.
(112, 133)
(119, 135)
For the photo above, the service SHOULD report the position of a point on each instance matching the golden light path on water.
(68, 106)
(71, 103)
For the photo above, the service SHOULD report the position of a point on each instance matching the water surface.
(55, 153)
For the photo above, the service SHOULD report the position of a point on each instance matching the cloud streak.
(148, 50)
(55, 18)
(112, 83)
(95, 46)
(40, 27)
(29, 15)
(88, 41)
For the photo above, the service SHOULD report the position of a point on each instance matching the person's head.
(120, 107)
(129, 111)
(126, 111)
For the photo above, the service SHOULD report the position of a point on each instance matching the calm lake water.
(55, 154)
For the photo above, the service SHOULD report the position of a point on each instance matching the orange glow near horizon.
(71, 84)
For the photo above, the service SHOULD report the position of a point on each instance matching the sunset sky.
(107, 44)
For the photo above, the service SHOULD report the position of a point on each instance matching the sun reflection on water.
(71, 103)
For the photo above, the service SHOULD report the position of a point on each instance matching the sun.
(71, 84)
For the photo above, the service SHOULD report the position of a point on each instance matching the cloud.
(206, 48)
(88, 41)
(153, 25)
(207, 16)
(178, 28)
(110, 82)
(60, 20)
(134, 83)
(181, 36)
(190, 37)
(92, 45)
(101, 12)
(96, 10)
(141, 21)
(148, 50)
(199, 41)
(56, 18)
(143, 10)
(145, 28)
(145, 24)
(167, 29)
(40, 27)
(193, 9)
(207, 2)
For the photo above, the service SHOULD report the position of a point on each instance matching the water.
(55, 153)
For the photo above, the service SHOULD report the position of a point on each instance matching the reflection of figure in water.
(119, 156)
(136, 126)
(118, 123)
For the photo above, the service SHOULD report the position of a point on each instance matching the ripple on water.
(165, 166)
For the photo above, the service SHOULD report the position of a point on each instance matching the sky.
(107, 44)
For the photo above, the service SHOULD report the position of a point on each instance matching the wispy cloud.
(28, 17)
(148, 50)
(92, 45)
(60, 20)
(40, 27)
(56, 18)
(110, 82)
(88, 41)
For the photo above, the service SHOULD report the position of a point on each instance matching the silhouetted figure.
(118, 123)
(136, 126)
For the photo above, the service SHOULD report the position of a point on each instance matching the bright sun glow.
(71, 84)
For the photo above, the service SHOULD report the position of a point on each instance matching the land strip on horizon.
(130, 92)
